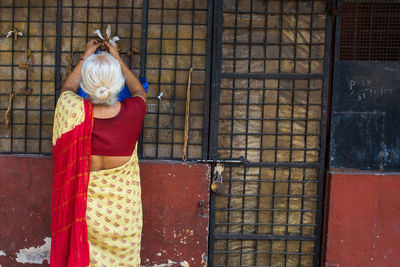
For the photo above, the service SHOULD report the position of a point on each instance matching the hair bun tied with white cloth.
(102, 93)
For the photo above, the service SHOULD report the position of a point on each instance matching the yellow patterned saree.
(96, 215)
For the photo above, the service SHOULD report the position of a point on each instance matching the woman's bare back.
(107, 162)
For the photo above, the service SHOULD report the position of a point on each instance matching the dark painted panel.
(170, 192)
(359, 140)
(365, 110)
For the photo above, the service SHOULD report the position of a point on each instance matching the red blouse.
(118, 135)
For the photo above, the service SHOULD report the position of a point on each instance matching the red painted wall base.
(364, 220)
(173, 233)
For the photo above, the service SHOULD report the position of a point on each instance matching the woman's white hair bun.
(102, 78)
(103, 93)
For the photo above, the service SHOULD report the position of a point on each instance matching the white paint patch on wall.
(35, 254)
(2, 253)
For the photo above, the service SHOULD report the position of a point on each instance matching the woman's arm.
(72, 81)
(135, 87)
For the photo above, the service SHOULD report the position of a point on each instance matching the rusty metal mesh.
(370, 30)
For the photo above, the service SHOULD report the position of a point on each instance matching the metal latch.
(216, 181)
(202, 205)
(240, 161)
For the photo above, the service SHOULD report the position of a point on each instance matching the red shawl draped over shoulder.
(71, 171)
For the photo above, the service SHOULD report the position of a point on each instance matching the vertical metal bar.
(302, 208)
(87, 23)
(12, 77)
(159, 77)
(58, 52)
(261, 130)
(216, 80)
(143, 50)
(175, 73)
(278, 89)
(27, 76)
(306, 125)
(131, 34)
(292, 128)
(116, 18)
(210, 257)
(72, 29)
(244, 182)
(41, 83)
(228, 219)
(207, 90)
(101, 14)
(323, 140)
(214, 109)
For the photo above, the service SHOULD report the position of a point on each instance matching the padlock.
(216, 187)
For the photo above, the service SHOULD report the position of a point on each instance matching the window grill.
(170, 37)
(31, 120)
(177, 41)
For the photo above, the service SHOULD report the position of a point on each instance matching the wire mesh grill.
(273, 37)
(175, 40)
(370, 30)
(30, 126)
(271, 113)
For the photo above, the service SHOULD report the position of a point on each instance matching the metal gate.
(269, 102)
(259, 91)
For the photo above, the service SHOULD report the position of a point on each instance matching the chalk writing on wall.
(361, 89)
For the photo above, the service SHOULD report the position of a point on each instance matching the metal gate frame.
(215, 88)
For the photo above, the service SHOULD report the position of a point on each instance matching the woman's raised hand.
(91, 47)
(113, 50)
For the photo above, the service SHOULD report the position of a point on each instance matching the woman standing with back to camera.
(96, 202)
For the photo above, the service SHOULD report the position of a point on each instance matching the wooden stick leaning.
(7, 115)
(187, 112)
